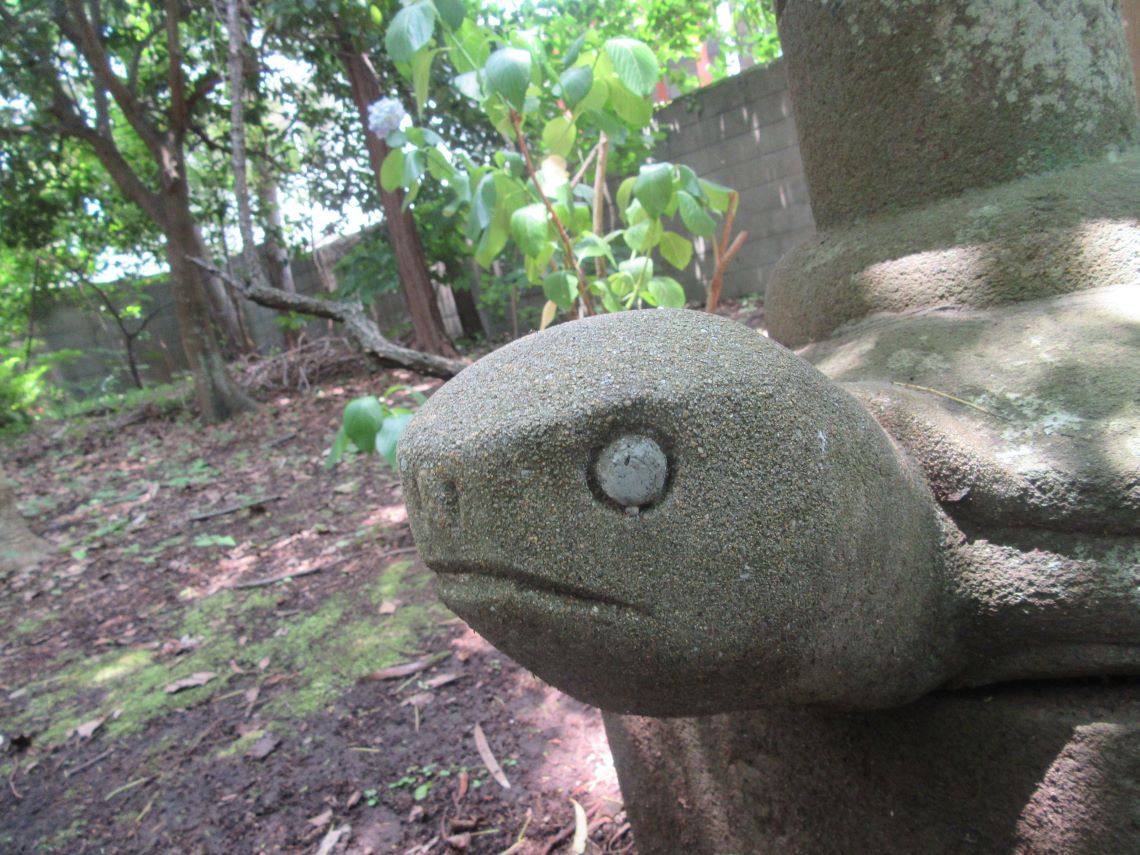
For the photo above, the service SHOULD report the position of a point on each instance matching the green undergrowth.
(313, 655)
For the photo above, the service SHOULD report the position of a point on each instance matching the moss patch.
(321, 653)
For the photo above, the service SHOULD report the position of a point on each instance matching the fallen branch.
(358, 326)
(233, 509)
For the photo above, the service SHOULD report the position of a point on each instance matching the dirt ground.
(236, 650)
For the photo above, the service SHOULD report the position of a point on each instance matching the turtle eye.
(631, 471)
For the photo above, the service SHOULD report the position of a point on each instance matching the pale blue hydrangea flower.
(385, 116)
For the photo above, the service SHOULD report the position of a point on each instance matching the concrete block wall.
(741, 133)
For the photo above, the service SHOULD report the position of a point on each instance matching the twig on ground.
(87, 765)
(146, 810)
(261, 583)
(128, 786)
(234, 508)
(12, 786)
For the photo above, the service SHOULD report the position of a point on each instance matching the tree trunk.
(217, 395)
(19, 548)
(468, 311)
(427, 323)
(278, 268)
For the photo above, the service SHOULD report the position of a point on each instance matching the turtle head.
(665, 513)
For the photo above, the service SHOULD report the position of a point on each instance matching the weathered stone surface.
(986, 312)
(1036, 237)
(1027, 415)
(1032, 769)
(903, 102)
(794, 556)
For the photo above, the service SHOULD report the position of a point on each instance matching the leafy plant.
(552, 111)
(370, 424)
(23, 384)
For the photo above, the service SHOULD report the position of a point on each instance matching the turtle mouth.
(503, 576)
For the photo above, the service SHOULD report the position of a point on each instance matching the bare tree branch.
(179, 114)
(359, 327)
(78, 29)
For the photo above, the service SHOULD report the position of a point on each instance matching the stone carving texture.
(894, 597)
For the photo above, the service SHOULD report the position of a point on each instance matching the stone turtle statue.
(882, 594)
(666, 513)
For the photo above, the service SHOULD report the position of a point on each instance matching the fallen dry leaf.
(388, 607)
(263, 747)
(85, 730)
(199, 678)
(442, 679)
(321, 819)
(404, 670)
(489, 760)
(458, 841)
(419, 699)
(332, 838)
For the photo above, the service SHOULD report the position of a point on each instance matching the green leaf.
(389, 436)
(667, 292)
(611, 302)
(596, 98)
(635, 64)
(625, 192)
(694, 216)
(719, 195)
(508, 74)
(589, 245)
(410, 30)
(491, 243)
(641, 269)
(632, 108)
(538, 265)
(644, 235)
(561, 288)
(483, 204)
(438, 165)
(468, 84)
(451, 12)
(687, 180)
(468, 48)
(340, 444)
(654, 187)
(529, 229)
(421, 76)
(392, 170)
(576, 84)
(510, 195)
(376, 14)
(414, 166)
(362, 419)
(574, 51)
(675, 249)
(558, 136)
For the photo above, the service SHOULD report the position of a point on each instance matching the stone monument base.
(1026, 768)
